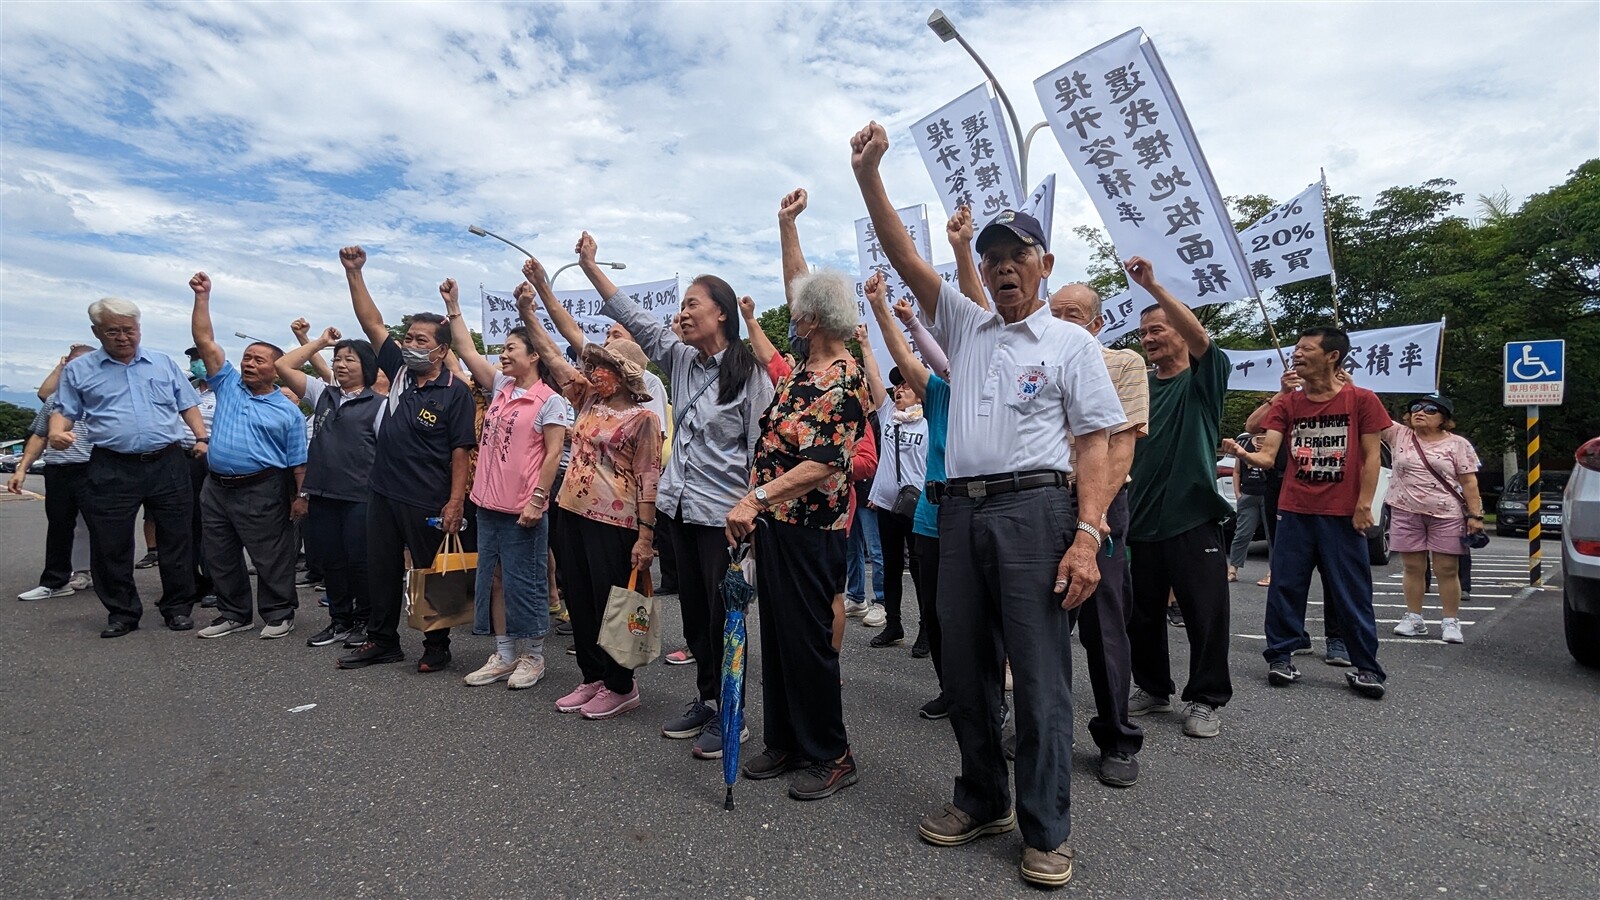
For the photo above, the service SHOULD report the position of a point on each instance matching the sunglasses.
(1429, 408)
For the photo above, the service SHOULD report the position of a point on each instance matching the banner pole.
(1333, 268)
(1272, 332)
(1438, 363)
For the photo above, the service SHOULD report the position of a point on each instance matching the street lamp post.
(483, 233)
(946, 30)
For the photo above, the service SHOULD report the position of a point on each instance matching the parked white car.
(1580, 557)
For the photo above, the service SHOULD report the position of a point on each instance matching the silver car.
(1580, 557)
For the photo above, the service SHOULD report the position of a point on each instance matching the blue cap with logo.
(1025, 227)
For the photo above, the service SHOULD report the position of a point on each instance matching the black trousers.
(702, 552)
(998, 558)
(63, 496)
(594, 557)
(798, 570)
(393, 528)
(198, 470)
(338, 531)
(116, 487)
(666, 554)
(927, 601)
(1103, 631)
(899, 549)
(1194, 566)
(253, 518)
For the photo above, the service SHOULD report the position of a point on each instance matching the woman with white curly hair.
(797, 511)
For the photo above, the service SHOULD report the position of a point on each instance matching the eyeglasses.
(1429, 408)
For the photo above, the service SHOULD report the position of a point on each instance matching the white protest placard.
(967, 150)
(1041, 204)
(500, 310)
(1289, 244)
(1402, 360)
(1124, 131)
(873, 259)
(1120, 314)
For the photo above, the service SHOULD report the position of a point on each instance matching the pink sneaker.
(680, 658)
(580, 696)
(607, 704)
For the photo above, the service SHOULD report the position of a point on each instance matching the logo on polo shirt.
(1030, 381)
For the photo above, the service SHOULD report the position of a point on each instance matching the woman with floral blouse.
(797, 513)
(608, 502)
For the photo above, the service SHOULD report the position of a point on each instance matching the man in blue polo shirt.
(135, 404)
(419, 470)
(257, 459)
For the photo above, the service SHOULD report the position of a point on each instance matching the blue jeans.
(864, 547)
(520, 554)
(1327, 543)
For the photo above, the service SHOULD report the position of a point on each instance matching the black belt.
(989, 485)
(152, 456)
(239, 481)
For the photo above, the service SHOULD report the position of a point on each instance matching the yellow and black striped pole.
(1535, 555)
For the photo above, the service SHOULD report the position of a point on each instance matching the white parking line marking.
(1383, 640)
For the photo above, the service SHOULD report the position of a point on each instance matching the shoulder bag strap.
(1417, 443)
(677, 420)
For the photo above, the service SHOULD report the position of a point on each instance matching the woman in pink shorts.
(1434, 507)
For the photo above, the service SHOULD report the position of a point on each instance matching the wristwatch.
(303, 495)
(1090, 530)
(760, 494)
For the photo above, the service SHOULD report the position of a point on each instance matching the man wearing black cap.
(1017, 547)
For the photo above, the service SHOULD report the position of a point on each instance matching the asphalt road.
(162, 765)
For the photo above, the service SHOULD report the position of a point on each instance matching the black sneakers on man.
(824, 779)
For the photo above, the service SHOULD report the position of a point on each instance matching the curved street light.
(946, 30)
(480, 232)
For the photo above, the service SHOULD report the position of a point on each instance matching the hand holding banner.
(500, 310)
(1403, 360)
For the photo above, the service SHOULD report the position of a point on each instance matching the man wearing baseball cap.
(1017, 544)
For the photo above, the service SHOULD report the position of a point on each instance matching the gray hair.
(828, 296)
(112, 306)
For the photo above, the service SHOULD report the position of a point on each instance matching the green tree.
(14, 421)
(775, 323)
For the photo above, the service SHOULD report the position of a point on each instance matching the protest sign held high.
(500, 310)
(1403, 360)
(873, 259)
(1289, 244)
(968, 152)
(1126, 136)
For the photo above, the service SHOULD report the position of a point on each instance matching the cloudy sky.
(143, 141)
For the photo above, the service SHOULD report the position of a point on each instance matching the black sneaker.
(369, 654)
(1365, 683)
(148, 561)
(564, 628)
(1118, 770)
(434, 659)
(1174, 616)
(304, 579)
(1282, 674)
(824, 779)
(937, 708)
(333, 634)
(770, 764)
(889, 637)
(356, 637)
(919, 647)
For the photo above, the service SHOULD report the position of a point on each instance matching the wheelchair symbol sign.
(1535, 373)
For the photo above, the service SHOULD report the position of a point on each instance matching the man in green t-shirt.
(1175, 535)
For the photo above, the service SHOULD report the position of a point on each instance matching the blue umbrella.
(736, 596)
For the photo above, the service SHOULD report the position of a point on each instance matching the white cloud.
(143, 142)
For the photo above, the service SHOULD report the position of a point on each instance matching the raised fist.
(301, 328)
(877, 289)
(1141, 272)
(533, 270)
(861, 337)
(330, 336)
(586, 248)
(451, 294)
(524, 295)
(904, 312)
(747, 307)
(868, 146)
(792, 205)
(352, 258)
(200, 284)
(959, 229)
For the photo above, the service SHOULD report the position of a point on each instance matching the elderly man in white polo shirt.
(1017, 554)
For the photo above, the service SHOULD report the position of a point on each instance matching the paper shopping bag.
(443, 594)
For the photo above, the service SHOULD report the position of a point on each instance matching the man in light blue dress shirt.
(136, 405)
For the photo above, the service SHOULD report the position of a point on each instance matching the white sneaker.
(43, 593)
(221, 626)
(1412, 625)
(1452, 632)
(527, 673)
(272, 632)
(875, 617)
(80, 581)
(855, 610)
(496, 669)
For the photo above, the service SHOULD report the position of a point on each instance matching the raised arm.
(289, 365)
(353, 258)
(566, 325)
(760, 344)
(205, 336)
(302, 330)
(916, 374)
(53, 380)
(876, 391)
(932, 353)
(573, 384)
(794, 261)
(461, 337)
(597, 276)
(866, 152)
(959, 231)
(1182, 318)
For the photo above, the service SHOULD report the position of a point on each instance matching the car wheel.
(1583, 633)
(1378, 544)
(1504, 530)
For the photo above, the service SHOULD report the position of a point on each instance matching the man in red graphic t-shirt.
(1325, 507)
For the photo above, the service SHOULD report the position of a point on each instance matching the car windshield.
(1550, 483)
